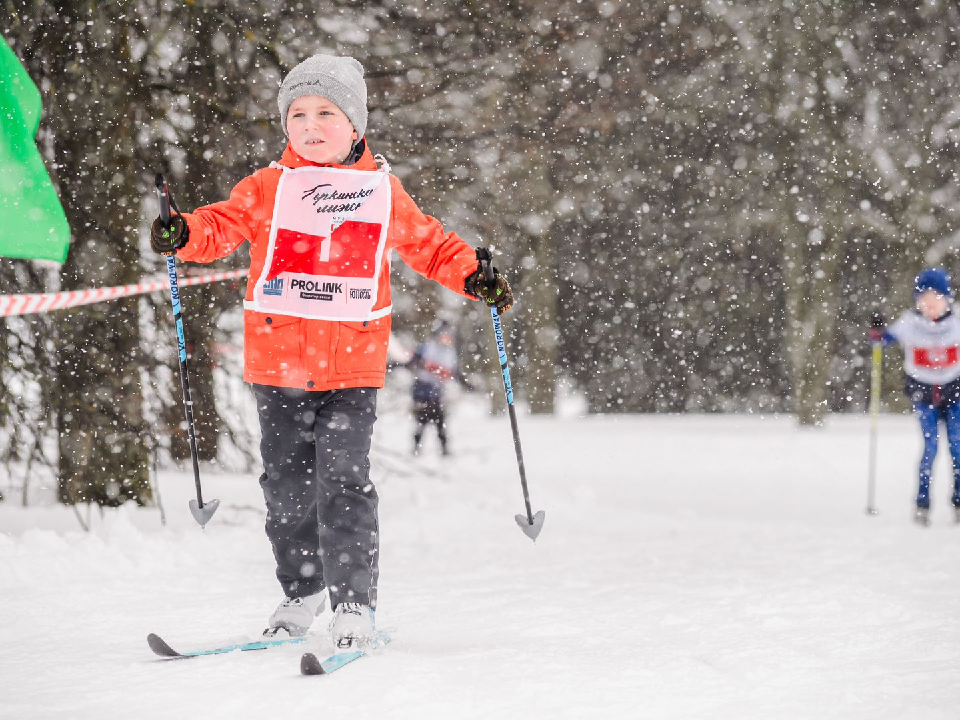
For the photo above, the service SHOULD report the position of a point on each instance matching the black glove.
(167, 240)
(497, 293)
(877, 327)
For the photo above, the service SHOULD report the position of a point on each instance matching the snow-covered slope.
(694, 567)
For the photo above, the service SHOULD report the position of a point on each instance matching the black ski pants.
(321, 505)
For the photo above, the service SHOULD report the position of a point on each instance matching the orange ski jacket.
(287, 351)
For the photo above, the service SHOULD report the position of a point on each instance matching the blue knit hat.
(934, 278)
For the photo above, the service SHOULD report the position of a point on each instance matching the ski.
(163, 649)
(310, 664)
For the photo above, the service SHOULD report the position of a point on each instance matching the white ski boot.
(922, 516)
(295, 615)
(352, 627)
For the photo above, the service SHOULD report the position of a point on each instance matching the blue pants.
(929, 416)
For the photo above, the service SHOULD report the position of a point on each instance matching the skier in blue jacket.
(930, 337)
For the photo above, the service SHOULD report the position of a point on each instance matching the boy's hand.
(497, 293)
(877, 327)
(166, 240)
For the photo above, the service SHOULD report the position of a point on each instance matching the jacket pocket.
(273, 343)
(362, 349)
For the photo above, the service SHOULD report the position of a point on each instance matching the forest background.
(698, 203)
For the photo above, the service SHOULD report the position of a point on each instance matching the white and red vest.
(327, 242)
(931, 349)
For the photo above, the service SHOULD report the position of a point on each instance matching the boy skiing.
(321, 225)
(930, 336)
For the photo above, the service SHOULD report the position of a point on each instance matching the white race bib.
(931, 350)
(327, 240)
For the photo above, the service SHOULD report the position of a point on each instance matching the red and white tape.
(45, 302)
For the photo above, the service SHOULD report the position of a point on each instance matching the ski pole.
(531, 523)
(876, 364)
(202, 512)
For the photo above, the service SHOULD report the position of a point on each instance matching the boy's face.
(319, 130)
(932, 305)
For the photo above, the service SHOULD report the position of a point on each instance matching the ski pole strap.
(163, 196)
(486, 264)
(166, 202)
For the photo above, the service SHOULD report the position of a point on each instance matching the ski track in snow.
(689, 567)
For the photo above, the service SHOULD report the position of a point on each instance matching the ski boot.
(295, 615)
(352, 627)
(922, 516)
(956, 514)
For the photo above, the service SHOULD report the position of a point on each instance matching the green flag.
(32, 223)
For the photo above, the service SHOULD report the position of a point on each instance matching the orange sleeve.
(424, 245)
(217, 230)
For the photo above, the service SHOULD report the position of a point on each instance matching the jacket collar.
(291, 159)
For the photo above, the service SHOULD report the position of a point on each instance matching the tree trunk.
(811, 323)
(542, 338)
(103, 455)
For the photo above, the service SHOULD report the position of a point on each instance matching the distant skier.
(930, 336)
(434, 363)
(322, 225)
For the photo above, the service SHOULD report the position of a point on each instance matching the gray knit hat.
(339, 79)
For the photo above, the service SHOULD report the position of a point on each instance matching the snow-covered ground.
(689, 567)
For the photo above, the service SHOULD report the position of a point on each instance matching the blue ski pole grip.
(502, 353)
(177, 312)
